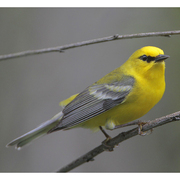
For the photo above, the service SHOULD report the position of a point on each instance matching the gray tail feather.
(42, 129)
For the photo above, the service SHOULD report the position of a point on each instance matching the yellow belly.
(135, 106)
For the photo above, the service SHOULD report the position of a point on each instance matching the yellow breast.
(147, 91)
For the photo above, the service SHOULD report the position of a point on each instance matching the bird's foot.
(143, 133)
(106, 146)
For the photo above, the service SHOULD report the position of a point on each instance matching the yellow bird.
(123, 95)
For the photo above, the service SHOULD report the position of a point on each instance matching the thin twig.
(120, 138)
(89, 42)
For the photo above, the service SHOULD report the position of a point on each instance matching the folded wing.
(95, 100)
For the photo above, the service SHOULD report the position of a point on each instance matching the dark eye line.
(147, 58)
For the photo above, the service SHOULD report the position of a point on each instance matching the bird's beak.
(161, 57)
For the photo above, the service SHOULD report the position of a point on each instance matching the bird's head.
(147, 58)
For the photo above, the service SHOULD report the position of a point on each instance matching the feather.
(95, 100)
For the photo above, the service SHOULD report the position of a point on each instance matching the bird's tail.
(42, 129)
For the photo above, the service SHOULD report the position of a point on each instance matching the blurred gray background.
(32, 87)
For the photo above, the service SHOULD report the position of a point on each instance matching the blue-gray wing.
(95, 100)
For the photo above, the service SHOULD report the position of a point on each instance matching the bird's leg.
(104, 132)
(140, 125)
(104, 143)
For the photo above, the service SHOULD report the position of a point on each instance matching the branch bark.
(89, 42)
(120, 138)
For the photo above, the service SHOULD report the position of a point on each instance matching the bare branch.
(120, 138)
(89, 42)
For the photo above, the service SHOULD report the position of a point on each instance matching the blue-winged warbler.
(123, 95)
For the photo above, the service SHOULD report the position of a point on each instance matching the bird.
(124, 95)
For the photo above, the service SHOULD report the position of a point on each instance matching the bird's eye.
(143, 57)
(148, 59)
